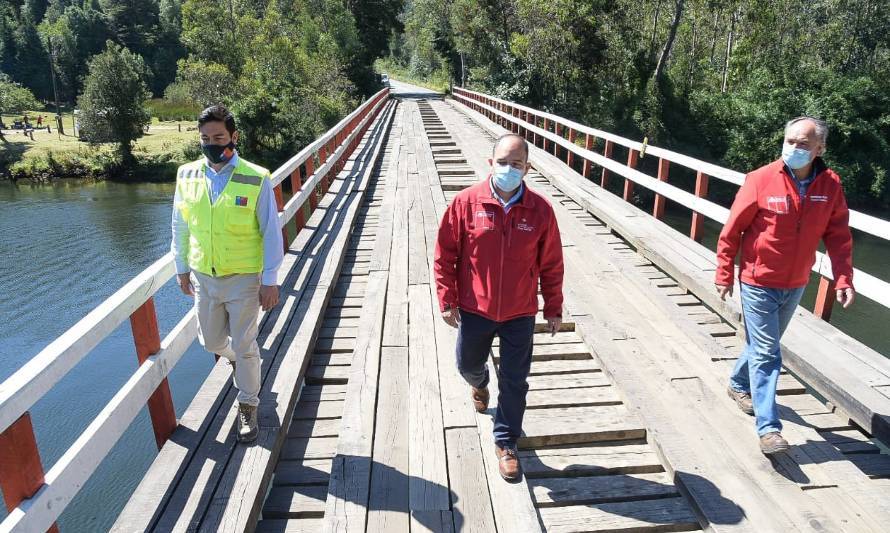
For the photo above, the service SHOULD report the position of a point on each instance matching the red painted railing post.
(21, 472)
(607, 153)
(310, 170)
(144, 324)
(570, 156)
(296, 185)
(658, 207)
(536, 124)
(547, 129)
(701, 190)
(825, 298)
(588, 145)
(279, 202)
(632, 158)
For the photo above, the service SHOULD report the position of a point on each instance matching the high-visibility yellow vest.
(224, 238)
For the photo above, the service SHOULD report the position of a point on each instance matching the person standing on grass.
(778, 217)
(227, 247)
(497, 239)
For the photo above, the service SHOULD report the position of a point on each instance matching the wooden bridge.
(365, 424)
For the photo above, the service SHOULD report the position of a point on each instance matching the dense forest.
(288, 68)
(715, 79)
(712, 78)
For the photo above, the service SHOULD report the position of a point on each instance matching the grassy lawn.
(163, 146)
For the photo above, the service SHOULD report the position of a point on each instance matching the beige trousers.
(228, 308)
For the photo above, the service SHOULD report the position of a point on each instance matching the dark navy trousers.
(474, 337)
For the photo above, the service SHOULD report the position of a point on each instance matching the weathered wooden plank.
(540, 339)
(590, 460)
(323, 392)
(337, 333)
(395, 327)
(511, 503)
(596, 490)
(347, 503)
(302, 525)
(560, 367)
(432, 522)
(668, 514)
(428, 484)
(538, 399)
(303, 472)
(572, 425)
(307, 410)
(469, 489)
(388, 506)
(295, 502)
(561, 382)
(326, 427)
(309, 448)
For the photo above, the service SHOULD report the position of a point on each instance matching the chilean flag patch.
(241, 201)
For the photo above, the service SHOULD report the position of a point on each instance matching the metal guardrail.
(34, 499)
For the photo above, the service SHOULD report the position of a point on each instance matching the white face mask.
(506, 177)
(795, 158)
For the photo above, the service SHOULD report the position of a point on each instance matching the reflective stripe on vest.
(224, 238)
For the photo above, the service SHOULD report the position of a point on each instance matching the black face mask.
(218, 153)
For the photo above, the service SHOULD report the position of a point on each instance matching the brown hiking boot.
(480, 399)
(742, 399)
(508, 463)
(772, 443)
(247, 422)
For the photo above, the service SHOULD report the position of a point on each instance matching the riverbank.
(51, 156)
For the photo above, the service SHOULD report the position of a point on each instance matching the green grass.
(166, 145)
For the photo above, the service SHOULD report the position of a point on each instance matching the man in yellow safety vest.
(227, 246)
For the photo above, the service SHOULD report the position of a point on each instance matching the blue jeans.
(767, 313)
(474, 338)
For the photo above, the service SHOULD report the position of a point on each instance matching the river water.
(66, 248)
(69, 246)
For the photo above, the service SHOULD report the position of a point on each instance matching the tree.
(202, 84)
(14, 98)
(113, 102)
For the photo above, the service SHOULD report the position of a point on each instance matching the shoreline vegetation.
(170, 140)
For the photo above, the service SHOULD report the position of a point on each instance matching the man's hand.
(724, 290)
(845, 297)
(553, 325)
(451, 317)
(185, 284)
(268, 296)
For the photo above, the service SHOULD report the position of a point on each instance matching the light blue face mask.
(795, 158)
(506, 177)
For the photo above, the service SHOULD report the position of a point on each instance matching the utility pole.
(52, 72)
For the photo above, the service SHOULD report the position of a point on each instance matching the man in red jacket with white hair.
(778, 217)
(496, 240)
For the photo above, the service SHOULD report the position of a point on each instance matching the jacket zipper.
(505, 234)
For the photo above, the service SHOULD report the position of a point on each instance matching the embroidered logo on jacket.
(241, 201)
(777, 204)
(819, 198)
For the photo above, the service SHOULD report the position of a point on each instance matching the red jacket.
(488, 262)
(779, 232)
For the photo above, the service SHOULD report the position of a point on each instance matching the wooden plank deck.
(628, 426)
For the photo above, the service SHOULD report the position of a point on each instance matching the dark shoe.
(480, 399)
(772, 443)
(247, 422)
(508, 463)
(742, 399)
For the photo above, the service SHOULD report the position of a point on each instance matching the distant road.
(400, 88)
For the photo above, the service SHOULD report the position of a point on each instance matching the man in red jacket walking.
(496, 241)
(778, 217)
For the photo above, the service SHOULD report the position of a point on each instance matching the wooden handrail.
(858, 220)
(29, 384)
(867, 285)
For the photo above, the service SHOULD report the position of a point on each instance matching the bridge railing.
(35, 499)
(549, 131)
